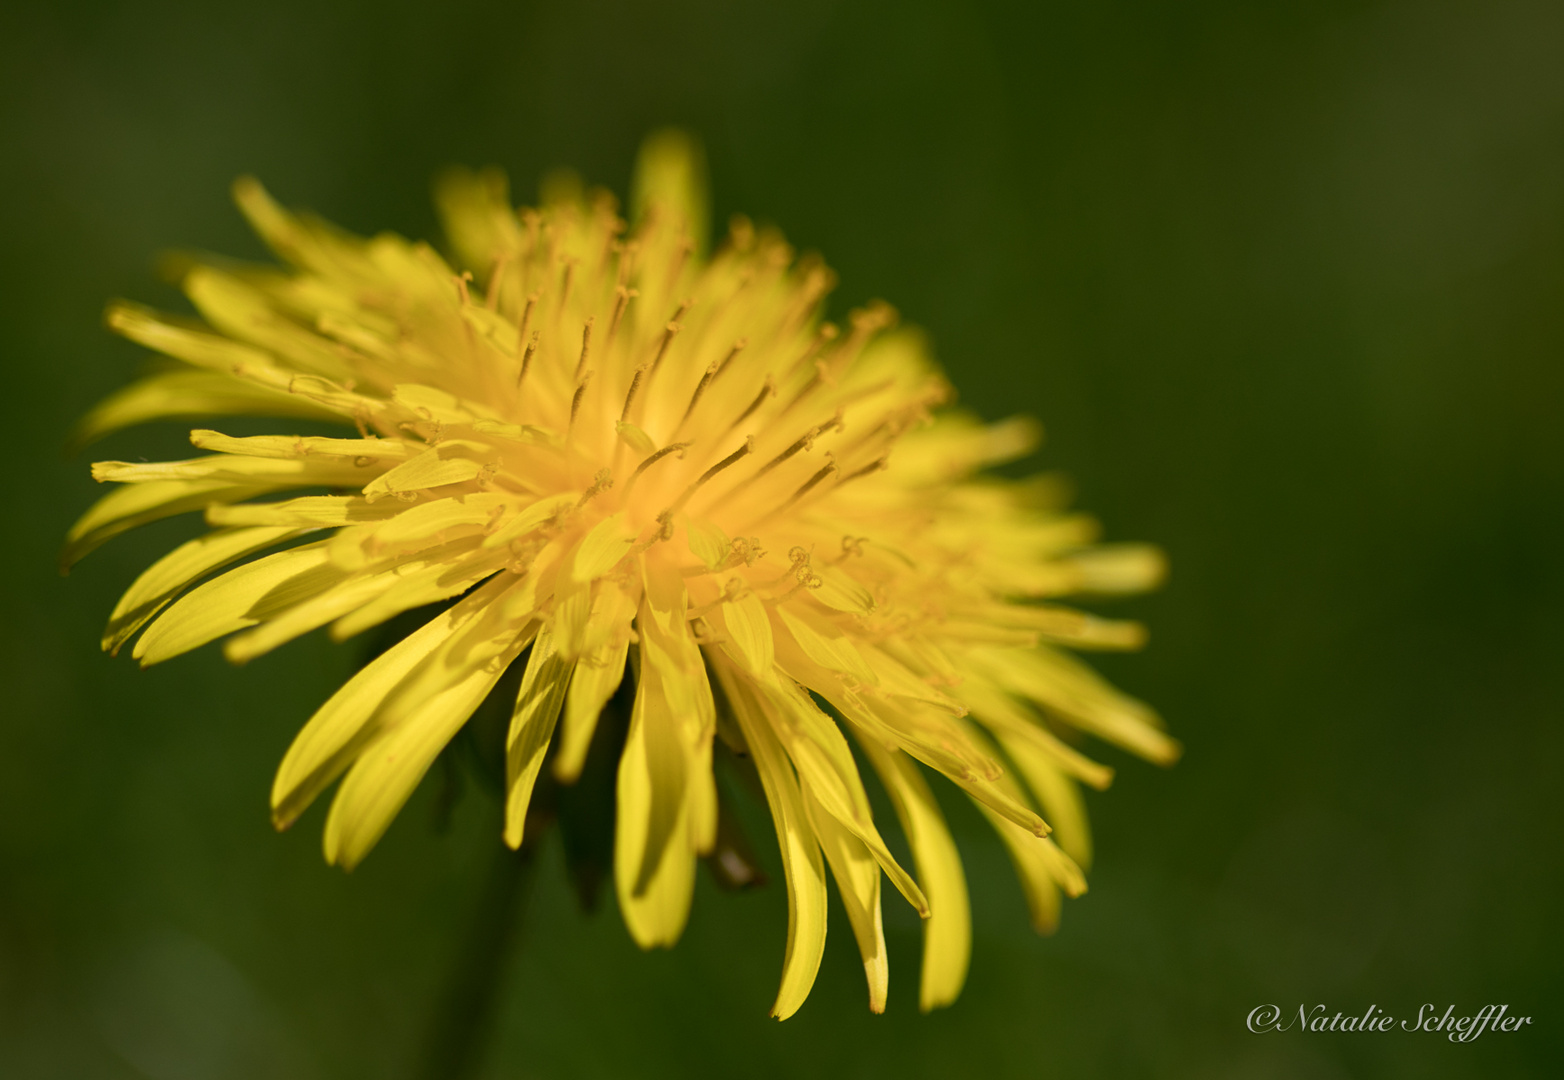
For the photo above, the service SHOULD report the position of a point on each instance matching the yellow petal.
(826, 768)
(1119, 568)
(334, 735)
(531, 727)
(947, 932)
(476, 213)
(1060, 624)
(433, 403)
(858, 881)
(635, 438)
(309, 512)
(240, 310)
(127, 507)
(183, 342)
(825, 643)
(428, 523)
(294, 446)
(840, 591)
(1041, 866)
(347, 595)
(235, 469)
(229, 603)
(923, 731)
(654, 858)
(435, 467)
(431, 582)
(187, 393)
(529, 520)
(282, 231)
(801, 858)
(1012, 720)
(1070, 689)
(893, 677)
(670, 178)
(418, 725)
(672, 662)
(601, 549)
(749, 635)
(1056, 793)
(572, 613)
(167, 577)
(597, 676)
(708, 543)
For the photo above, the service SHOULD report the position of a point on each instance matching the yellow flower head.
(632, 461)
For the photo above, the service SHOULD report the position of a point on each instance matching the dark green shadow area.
(1284, 281)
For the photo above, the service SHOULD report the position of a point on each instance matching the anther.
(461, 286)
(531, 219)
(731, 459)
(822, 375)
(610, 224)
(746, 549)
(804, 442)
(635, 385)
(765, 391)
(826, 333)
(669, 333)
(526, 317)
(664, 531)
(872, 467)
(526, 357)
(682, 252)
(575, 402)
(586, 345)
(491, 298)
(801, 573)
(738, 347)
(713, 370)
(700, 388)
(812, 483)
(569, 279)
(600, 483)
(627, 250)
(622, 297)
(522, 552)
(652, 459)
(866, 322)
(731, 590)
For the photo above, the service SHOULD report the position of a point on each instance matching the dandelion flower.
(619, 459)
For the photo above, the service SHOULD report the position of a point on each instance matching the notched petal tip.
(1167, 752)
(283, 816)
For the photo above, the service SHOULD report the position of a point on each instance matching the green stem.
(464, 1017)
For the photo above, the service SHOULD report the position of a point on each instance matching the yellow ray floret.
(623, 462)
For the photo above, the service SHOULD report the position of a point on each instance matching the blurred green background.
(1285, 281)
